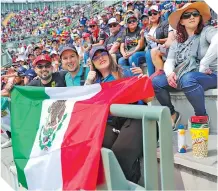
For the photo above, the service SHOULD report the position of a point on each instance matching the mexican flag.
(57, 133)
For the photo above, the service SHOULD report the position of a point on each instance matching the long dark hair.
(181, 33)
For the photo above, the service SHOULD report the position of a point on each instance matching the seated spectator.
(98, 36)
(70, 62)
(145, 22)
(191, 65)
(118, 130)
(133, 43)
(86, 46)
(157, 34)
(118, 16)
(29, 75)
(113, 42)
(55, 61)
(54, 45)
(104, 24)
(83, 19)
(159, 54)
(166, 8)
(44, 70)
(37, 50)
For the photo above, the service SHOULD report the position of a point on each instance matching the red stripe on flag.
(80, 153)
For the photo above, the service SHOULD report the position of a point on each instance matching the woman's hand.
(152, 38)
(91, 75)
(172, 80)
(136, 70)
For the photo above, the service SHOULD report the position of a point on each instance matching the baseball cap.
(104, 13)
(144, 15)
(21, 71)
(129, 3)
(44, 57)
(92, 22)
(154, 7)
(67, 47)
(112, 20)
(20, 58)
(128, 16)
(95, 49)
(53, 52)
(117, 13)
(30, 73)
(85, 35)
(54, 40)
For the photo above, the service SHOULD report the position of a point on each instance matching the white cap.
(53, 52)
(112, 20)
(21, 58)
(154, 7)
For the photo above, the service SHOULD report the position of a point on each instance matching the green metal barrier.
(149, 116)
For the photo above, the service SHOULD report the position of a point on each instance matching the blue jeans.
(138, 58)
(150, 65)
(193, 84)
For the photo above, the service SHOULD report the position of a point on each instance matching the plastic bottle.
(181, 139)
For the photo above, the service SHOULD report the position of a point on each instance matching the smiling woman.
(104, 69)
(191, 65)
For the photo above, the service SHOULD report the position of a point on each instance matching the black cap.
(95, 49)
(67, 47)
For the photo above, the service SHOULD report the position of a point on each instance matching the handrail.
(149, 116)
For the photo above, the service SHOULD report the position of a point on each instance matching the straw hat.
(202, 7)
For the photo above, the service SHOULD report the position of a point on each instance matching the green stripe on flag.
(26, 106)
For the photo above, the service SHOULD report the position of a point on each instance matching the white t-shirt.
(152, 32)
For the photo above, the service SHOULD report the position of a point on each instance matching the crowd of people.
(172, 42)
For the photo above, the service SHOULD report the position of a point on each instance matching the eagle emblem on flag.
(54, 121)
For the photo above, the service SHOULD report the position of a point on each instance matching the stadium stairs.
(192, 173)
(9, 16)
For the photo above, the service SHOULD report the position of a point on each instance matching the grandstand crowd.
(172, 42)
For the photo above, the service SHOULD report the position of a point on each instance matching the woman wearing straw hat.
(191, 65)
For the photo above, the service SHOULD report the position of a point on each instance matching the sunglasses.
(131, 21)
(189, 14)
(103, 53)
(152, 13)
(48, 65)
(92, 26)
(112, 25)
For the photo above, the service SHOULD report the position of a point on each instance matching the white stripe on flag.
(76, 92)
(43, 171)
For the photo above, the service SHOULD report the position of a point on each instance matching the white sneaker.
(6, 144)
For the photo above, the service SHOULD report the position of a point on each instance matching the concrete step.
(192, 173)
(183, 106)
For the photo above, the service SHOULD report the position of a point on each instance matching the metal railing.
(149, 116)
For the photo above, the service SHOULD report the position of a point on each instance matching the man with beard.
(77, 74)
(43, 68)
